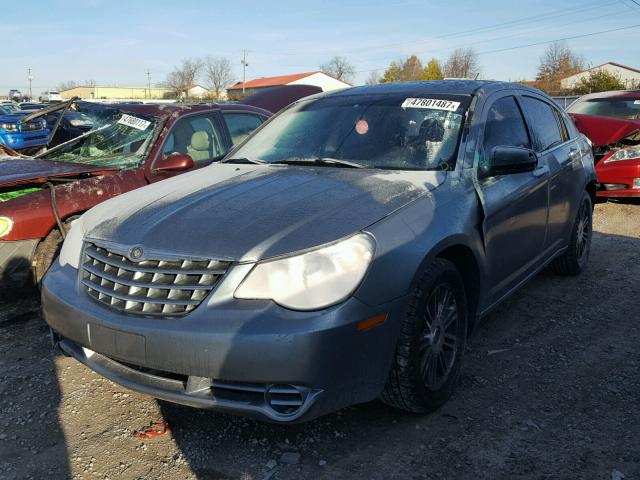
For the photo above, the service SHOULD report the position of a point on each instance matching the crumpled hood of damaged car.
(604, 130)
(247, 212)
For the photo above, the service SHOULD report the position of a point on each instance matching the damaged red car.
(611, 120)
(138, 144)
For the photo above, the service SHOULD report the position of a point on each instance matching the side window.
(197, 136)
(544, 123)
(505, 126)
(241, 125)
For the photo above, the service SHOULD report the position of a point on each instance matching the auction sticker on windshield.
(133, 122)
(432, 103)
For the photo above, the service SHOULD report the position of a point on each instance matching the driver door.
(515, 205)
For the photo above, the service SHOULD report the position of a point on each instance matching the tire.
(417, 381)
(575, 259)
(46, 252)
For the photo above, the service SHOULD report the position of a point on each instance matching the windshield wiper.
(320, 161)
(242, 160)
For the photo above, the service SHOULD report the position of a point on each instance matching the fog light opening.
(284, 399)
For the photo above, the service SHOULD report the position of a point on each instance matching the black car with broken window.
(344, 252)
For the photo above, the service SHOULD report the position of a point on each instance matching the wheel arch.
(458, 250)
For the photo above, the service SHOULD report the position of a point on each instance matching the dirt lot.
(550, 390)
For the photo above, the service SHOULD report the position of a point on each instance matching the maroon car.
(611, 120)
(137, 145)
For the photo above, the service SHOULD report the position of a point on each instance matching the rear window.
(618, 107)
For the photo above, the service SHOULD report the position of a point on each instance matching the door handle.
(540, 171)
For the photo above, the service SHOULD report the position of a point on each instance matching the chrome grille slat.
(160, 287)
(134, 298)
(133, 283)
(116, 263)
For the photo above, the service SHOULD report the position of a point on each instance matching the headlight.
(72, 246)
(312, 280)
(624, 154)
(9, 127)
(6, 224)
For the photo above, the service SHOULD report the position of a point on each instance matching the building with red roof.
(316, 78)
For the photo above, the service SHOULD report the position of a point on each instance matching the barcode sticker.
(432, 103)
(133, 122)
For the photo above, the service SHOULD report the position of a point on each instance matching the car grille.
(148, 287)
(31, 127)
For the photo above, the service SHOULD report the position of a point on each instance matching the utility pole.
(148, 72)
(30, 78)
(244, 69)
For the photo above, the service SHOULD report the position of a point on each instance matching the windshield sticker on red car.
(133, 122)
(362, 127)
(431, 103)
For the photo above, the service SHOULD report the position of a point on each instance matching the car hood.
(19, 170)
(248, 213)
(604, 130)
(11, 117)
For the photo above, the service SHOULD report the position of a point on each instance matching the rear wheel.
(575, 259)
(432, 340)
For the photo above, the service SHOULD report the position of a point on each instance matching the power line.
(484, 29)
(590, 34)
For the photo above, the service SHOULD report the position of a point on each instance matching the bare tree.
(373, 78)
(340, 68)
(462, 63)
(182, 77)
(218, 74)
(68, 85)
(557, 62)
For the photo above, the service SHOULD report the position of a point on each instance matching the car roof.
(611, 94)
(453, 87)
(171, 109)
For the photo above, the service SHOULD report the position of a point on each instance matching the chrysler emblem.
(136, 252)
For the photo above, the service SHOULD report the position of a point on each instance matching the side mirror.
(176, 162)
(507, 160)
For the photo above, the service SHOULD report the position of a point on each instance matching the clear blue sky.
(113, 42)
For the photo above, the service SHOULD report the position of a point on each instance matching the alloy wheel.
(439, 340)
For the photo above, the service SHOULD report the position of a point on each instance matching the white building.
(629, 76)
(317, 78)
(197, 91)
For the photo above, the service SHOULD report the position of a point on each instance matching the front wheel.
(46, 253)
(432, 340)
(574, 260)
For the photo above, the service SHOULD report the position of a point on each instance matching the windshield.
(618, 107)
(389, 131)
(121, 143)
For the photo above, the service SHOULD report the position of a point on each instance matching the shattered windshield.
(120, 143)
(399, 132)
(618, 107)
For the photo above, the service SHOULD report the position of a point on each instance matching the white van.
(50, 96)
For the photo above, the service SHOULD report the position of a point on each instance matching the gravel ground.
(550, 390)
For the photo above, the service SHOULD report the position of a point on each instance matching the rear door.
(515, 205)
(562, 155)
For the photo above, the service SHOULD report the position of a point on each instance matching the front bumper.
(616, 179)
(21, 140)
(15, 262)
(251, 358)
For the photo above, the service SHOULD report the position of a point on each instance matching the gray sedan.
(344, 252)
